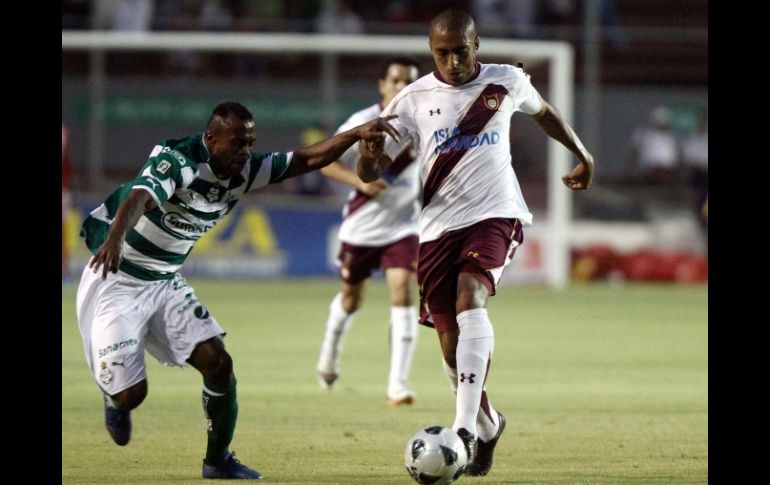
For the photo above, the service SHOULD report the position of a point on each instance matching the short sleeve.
(267, 168)
(165, 170)
(526, 99)
(404, 124)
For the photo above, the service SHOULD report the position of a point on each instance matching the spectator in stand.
(654, 148)
(338, 18)
(507, 18)
(124, 15)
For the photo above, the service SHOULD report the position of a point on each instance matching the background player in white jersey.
(473, 210)
(379, 230)
(132, 298)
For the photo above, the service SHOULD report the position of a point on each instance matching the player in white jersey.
(473, 210)
(132, 299)
(379, 230)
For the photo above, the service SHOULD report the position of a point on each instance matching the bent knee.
(131, 398)
(219, 367)
(212, 360)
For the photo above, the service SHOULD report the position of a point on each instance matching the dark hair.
(452, 19)
(230, 108)
(399, 60)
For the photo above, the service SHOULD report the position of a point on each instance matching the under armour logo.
(470, 377)
(473, 254)
(438, 111)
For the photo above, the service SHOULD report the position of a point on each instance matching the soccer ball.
(435, 455)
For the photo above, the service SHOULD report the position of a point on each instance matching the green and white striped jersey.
(190, 198)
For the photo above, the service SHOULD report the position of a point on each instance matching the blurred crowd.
(508, 18)
(664, 157)
(668, 157)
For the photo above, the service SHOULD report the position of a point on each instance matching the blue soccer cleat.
(229, 468)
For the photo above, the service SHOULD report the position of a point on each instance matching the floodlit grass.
(599, 384)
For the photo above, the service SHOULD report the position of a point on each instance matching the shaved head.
(453, 20)
(453, 43)
(226, 115)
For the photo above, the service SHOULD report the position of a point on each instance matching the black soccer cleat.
(483, 461)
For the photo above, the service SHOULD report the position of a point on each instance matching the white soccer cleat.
(400, 394)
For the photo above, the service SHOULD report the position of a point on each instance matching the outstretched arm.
(324, 152)
(373, 160)
(340, 173)
(557, 128)
(110, 254)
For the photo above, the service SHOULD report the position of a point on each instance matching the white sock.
(451, 374)
(337, 326)
(474, 349)
(403, 341)
(486, 425)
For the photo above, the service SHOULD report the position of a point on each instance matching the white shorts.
(121, 316)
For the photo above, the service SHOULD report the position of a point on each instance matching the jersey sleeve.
(404, 124)
(526, 98)
(166, 169)
(267, 168)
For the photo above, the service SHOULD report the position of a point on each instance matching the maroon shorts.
(358, 262)
(482, 249)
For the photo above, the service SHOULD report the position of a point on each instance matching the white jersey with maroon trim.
(462, 136)
(393, 213)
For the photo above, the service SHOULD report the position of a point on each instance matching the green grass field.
(599, 384)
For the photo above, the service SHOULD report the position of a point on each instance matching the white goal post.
(558, 55)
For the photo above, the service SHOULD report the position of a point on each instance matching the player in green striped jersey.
(132, 298)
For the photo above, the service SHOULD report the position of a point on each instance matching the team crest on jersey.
(163, 166)
(491, 101)
(105, 374)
